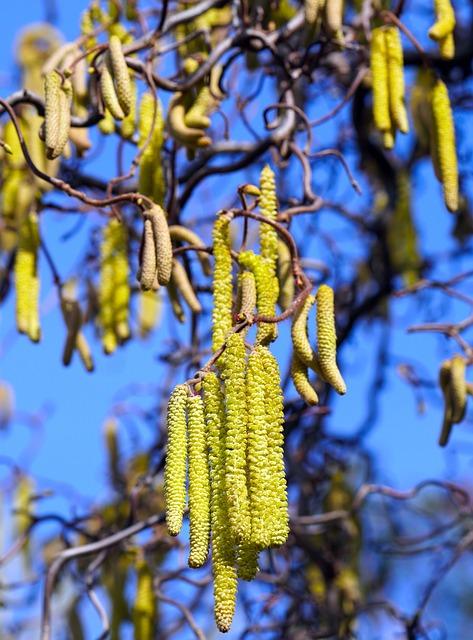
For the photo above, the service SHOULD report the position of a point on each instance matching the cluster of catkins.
(225, 427)
(430, 102)
(455, 389)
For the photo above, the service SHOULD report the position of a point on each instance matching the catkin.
(65, 104)
(144, 607)
(247, 561)
(176, 457)
(380, 75)
(52, 90)
(26, 278)
(259, 478)
(107, 290)
(301, 381)
(181, 281)
(198, 114)
(299, 335)
(222, 282)
(334, 18)
(129, 121)
(327, 339)
(267, 291)
(120, 73)
(285, 277)
(236, 441)
(274, 402)
(396, 78)
(107, 88)
(199, 483)
(183, 234)
(445, 144)
(447, 47)
(246, 295)
(442, 30)
(148, 312)
(458, 388)
(121, 298)
(444, 381)
(151, 179)
(311, 10)
(148, 257)
(223, 550)
(188, 136)
(268, 207)
(162, 242)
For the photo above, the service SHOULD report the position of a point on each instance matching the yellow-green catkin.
(148, 312)
(144, 606)
(176, 458)
(120, 74)
(151, 180)
(285, 276)
(222, 282)
(334, 18)
(458, 388)
(274, 402)
(107, 289)
(268, 207)
(183, 285)
(301, 381)
(129, 121)
(442, 30)
(183, 234)
(267, 291)
(26, 277)
(108, 92)
(52, 89)
(445, 144)
(199, 482)
(396, 78)
(198, 115)
(24, 493)
(311, 10)
(121, 298)
(247, 561)
(380, 79)
(300, 337)
(259, 479)
(234, 376)
(327, 339)
(223, 549)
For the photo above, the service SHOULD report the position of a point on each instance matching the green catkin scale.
(301, 381)
(259, 478)
(121, 75)
(267, 291)
(181, 281)
(199, 483)
(162, 243)
(299, 335)
(223, 549)
(285, 276)
(234, 376)
(277, 485)
(176, 457)
(327, 339)
(222, 283)
(445, 144)
(268, 207)
(144, 607)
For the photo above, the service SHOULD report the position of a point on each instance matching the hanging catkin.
(162, 243)
(301, 381)
(183, 234)
(442, 30)
(458, 388)
(120, 74)
(107, 89)
(285, 276)
(223, 550)
(199, 483)
(26, 278)
(268, 207)
(445, 144)
(147, 271)
(107, 289)
(274, 402)
(151, 181)
(176, 457)
(222, 283)
(121, 272)
(144, 607)
(246, 295)
(327, 339)
(300, 338)
(236, 441)
(396, 78)
(311, 10)
(183, 285)
(267, 291)
(380, 79)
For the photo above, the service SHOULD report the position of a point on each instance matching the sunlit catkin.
(52, 88)
(144, 606)
(268, 207)
(442, 30)
(234, 376)
(334, 18)
(148, 312)
(396, 78)
(223, 550)
(129, 121)
(300, 337)
(107, 89)
(151, 180)
(259, 479)
(176, 457)
(380, 79)
(162, 243)
(106, 291)
(222, 282)
(327, 339)
(247, 561)
(26, 277)
(181, 281)
(458, 388)
(199, 483)
(183, 234)
(445, 144)
(121, 272)
(120, 74)
(285, 276)
(246, 295)
(267, 291)
(301, 381)
(277, 485)
(147, 271)
(311, 10)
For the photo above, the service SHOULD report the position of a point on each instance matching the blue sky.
(68, 447)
